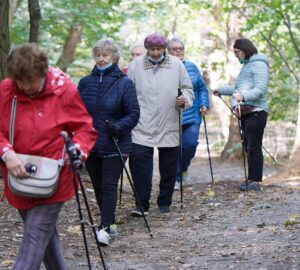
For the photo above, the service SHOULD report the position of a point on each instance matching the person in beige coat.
(157, 77)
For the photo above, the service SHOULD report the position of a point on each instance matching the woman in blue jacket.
(111, 100)
(249, 92)
(191, 118)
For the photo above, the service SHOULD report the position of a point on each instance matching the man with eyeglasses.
(191, 118)
(157, 77)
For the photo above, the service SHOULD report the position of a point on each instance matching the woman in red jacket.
(47, 103)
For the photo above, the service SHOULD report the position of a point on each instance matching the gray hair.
(137, 45)
(109, 45)
(174, 40)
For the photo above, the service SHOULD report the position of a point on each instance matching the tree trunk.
(35, 19)
(13, 6)
(4, 37)
(70, 46)
(233, 147)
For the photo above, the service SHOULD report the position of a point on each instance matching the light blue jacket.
(192, 115)
(252, 83)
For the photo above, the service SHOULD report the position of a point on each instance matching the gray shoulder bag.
(43, 173)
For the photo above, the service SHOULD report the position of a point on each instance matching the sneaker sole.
(138, 213)
(102, 244)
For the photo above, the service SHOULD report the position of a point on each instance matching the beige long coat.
(157, 89)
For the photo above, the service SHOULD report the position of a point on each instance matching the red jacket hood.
(56, 83)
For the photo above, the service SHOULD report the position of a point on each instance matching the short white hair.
(107, 44)
(174, 40)
(137, 45)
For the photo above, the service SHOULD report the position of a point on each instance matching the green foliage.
(270, 24)
(98, 19)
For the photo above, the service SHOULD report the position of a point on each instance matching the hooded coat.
(252, 83)
(38, 123)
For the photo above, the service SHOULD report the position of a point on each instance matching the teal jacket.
(252, 83)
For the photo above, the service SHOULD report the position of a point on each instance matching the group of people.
(133, 110)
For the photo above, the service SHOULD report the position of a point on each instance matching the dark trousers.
(40, 239)
(253, 125)
(141, 167)
(105, 173)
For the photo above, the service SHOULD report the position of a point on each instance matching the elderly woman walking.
(110, 98)
(47, 103)
(191, 118)
(157, 76)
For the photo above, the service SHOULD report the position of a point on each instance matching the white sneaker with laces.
(177, 185)
(103, 237)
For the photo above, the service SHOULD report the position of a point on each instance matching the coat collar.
(166, 63)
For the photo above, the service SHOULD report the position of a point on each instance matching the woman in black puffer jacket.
(111, 100)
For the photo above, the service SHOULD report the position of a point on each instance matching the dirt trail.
(218, 227)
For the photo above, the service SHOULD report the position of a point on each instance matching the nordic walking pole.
(130, 182)
(121, 190)
(242, 134)
(274, 160)
(180, 150)
(76, 165)
(208, 151)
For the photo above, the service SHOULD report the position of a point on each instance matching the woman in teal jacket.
(250, 92)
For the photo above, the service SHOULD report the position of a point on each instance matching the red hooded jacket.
(38, 124)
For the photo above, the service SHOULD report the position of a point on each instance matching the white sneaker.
(103, 237)
(177, 185)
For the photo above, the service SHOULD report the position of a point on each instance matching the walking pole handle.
(73, 152)
(179, 92)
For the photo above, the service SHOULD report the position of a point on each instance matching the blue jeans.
(141, 167)
(190, 134)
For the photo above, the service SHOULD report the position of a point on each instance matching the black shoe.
(164, 209)
(138, 213)
(250, 186)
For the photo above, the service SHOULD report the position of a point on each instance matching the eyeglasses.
(176, 49)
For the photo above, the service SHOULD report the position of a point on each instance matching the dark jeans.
(253, 125)
(141, 166)
(105, 174)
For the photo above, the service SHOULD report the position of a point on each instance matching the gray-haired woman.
(110, 97)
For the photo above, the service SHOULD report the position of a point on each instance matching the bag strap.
(61, 161)
(12, 120)
(98, 99)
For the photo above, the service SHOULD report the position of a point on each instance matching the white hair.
(107, 44)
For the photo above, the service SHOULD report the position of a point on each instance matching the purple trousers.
(40, 239)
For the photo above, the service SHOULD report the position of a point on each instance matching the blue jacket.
(120, 107)
(192, 115)
(252, 83)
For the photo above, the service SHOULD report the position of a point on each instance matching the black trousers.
(105, 174)
(253, 125)
(141, 167)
